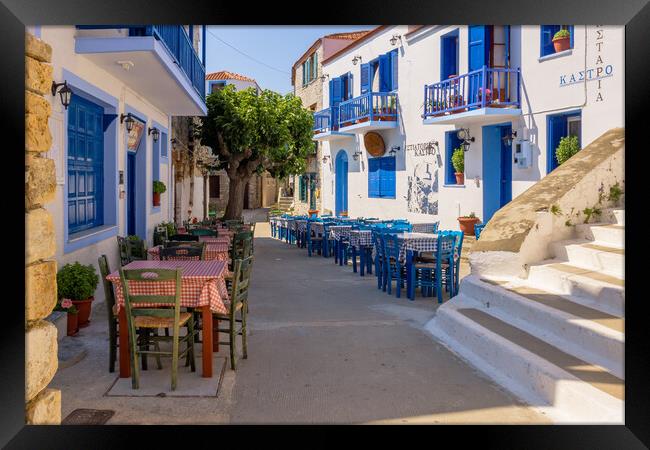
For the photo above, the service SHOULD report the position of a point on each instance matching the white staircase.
(284, 204)
(555, 339)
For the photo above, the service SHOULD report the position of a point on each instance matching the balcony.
(326, 125)
(157, 61)
(370, 111)
(460, 99)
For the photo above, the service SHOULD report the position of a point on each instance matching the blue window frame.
(85, 164)
(381, 177)
(546, 37)
(384, 66)
(449, 55)
(451, 143)
(557, 127)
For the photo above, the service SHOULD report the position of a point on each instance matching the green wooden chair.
(139, 316)
(138, 248)
(125, 250)
(203, 232)
(183, 253)
(160, 235)
(242, 247)
(237, 306)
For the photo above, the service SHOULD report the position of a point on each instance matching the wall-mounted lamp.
(155, 133)
(129, 121)
(463, 135)
(394, 149)
(324, 76)
(356, 155)
(509, 138)
(65, 92)
(395, 38)
(356, 59)
(326, 158)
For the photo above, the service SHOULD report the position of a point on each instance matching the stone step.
(584, 332)
(612, 235)
(591, 255)
(613, 216)
(568, 389)
(587, 287)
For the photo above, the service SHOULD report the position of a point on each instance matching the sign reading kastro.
(423, 148)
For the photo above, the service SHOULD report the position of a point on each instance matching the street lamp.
(356, 59)
(509, 138)
(65, 92)
(463, 135)
(394, 149)
(155, 132)
(395, 38)
(129, 121)
(325, 158)
(356, 155)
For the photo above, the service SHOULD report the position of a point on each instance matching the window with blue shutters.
(393, 65)
(381, 177)
(163, 145)
(546, 38)
(451, 143)
(85, 164)
(155, 174)
(365, 78)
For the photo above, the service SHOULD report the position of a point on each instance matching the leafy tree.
(253, 132)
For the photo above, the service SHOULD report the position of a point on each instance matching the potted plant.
(66, 305)
(488, 95)
(568, 147)
(78, 283)
(158, 188)
(467, 223)
(562, 40)
(458, 161)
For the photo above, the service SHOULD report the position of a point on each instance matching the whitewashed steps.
(591, 255)
(584, 332)
(609, 234)
(589, 287)
(570, 389)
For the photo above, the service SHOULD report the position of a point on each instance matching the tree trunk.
(237, 187)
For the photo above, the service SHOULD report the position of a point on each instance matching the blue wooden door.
(497, 169)
(341, 193)
(479, 47)
(130, 190)
(85, 164)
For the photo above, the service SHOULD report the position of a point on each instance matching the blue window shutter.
(387, 177)
(163, 144)
(393, 65)
(557, 130)
(365, 78)
(336, 91)
(384, 73)
(350, 85)
(373, 177)
(478, 47)
(570, 28)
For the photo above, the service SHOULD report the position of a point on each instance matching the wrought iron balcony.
(369, 107)
(326, 120)
(482, 88)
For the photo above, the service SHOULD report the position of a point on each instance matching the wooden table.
(202, 286)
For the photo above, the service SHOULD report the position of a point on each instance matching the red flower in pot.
(77, 283)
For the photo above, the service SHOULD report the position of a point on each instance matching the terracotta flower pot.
(460, 177)
(83, 308)
(73, 324)
(313, 213)
(467, 224)
(561, 44)
(156, 199)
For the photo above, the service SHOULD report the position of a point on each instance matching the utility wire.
(246, 55)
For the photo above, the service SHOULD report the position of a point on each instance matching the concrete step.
(612, 235)
(587, 287)
(584, 332)
(569, 389)
(591, 255)
(614, 216)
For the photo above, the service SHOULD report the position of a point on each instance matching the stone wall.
(43, 405)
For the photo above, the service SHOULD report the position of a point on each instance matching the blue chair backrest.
(391, 245)
(445, 245)
(478, 227)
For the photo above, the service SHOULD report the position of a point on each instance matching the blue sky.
(275, 47)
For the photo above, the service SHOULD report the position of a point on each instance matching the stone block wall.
(43, 405)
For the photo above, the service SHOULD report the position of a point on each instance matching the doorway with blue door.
(497, 168)
(341, 191)
(559, 126)
(136, 187)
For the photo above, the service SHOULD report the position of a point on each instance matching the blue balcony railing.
(326, 120)
(371, 106)
(179, 44)
(485, 87)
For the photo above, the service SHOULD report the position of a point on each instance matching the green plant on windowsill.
(562, 34)
(568, 147)
(159, 187)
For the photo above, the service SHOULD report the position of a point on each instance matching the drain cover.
(88, 417)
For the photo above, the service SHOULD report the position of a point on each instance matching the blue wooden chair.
(478, 227)
(313, 242)
(393, 267)
(428, 275)
(378, 243)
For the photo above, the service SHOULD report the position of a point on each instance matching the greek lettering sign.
(423, 148)
(592, 74)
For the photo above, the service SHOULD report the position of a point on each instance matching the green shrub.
(563, 33)
(159, 187)
(76, 281)
(568, 147)
(615, 193)
(458, 160)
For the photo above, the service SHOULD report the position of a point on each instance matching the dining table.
(203, 287)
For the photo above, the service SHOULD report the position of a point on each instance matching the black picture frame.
(634, 14)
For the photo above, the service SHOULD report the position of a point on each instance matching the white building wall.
(541, 94)
(64, 57)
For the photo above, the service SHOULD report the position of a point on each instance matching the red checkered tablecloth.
(202, 283)
(213, 250)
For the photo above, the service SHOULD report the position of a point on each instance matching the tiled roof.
(225, 75)
(352, 35)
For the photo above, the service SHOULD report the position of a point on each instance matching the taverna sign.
(588, 75)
